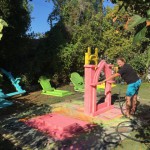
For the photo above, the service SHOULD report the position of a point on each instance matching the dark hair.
(122, 59)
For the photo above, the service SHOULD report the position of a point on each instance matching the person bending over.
(129, 75)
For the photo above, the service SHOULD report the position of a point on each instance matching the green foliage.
(71, 58)
(140, 14)
(13, 44)
(1, 78)
(140, 35)
(137, 7)
(77, 17)
(17, 15)
(139, 63)
(135, 20)
(86, 26)
(114, 42)
(2, 24)
(60, 51)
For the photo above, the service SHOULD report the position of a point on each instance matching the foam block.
(111, 114)
(58, 126)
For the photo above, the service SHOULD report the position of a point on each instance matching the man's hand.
(109, 78)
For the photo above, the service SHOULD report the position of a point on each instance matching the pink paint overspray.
(92, 74)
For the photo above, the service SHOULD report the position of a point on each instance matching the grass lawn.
(144, 91)
(36, 104)
(144, 110)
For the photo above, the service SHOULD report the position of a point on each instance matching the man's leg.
(134, 98)
(132, 91)
(134, 104)
(128, 106)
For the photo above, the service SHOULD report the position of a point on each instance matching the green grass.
(128, 144)
(144, 94)
(144, 91)
(25, 110)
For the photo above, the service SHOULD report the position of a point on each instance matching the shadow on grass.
(18, 132)
(7, 145)
(91, 139)
(137, 130)
(14, 131)
(97, 138)
(143, 119)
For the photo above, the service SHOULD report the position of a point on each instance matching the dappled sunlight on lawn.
(16, 132)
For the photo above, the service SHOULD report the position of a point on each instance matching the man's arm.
(111, 77)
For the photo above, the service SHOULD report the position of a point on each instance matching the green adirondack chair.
(77, 81)
(45, 83)
(49, 90)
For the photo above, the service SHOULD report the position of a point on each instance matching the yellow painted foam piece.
(102, 86)
(91, 57)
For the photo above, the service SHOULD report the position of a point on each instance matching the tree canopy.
(17, 15)
(2, 25)
(138, 17)
(75, 25)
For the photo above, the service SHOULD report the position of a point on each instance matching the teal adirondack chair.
(77, 81)
(49, 90)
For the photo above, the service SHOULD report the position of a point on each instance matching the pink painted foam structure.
(58, 126)
(62, 127)
(91, 81)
